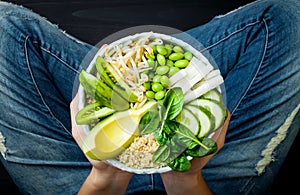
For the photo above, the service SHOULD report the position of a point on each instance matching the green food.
(119, 87)
(178, 49)
(180, 123)
(173, 132)
(115, 133)
(206, 119)
(217, 110)
(166, 61)
(92, 112)
(176, 56)
(102, 93)
(159, 95)
(161, 59)
(181, 63)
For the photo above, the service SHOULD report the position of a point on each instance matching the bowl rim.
(166, 38)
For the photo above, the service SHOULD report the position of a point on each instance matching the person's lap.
(258, 55)
(39, 64)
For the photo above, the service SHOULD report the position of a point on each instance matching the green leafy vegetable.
(173, 103)
(149, 122)
(182, 143)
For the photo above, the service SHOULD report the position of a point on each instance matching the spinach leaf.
(210, 144)
(199, 151)
(161, 137)
(173, 103)
(149, 122)
(180, 164)
(162, 154)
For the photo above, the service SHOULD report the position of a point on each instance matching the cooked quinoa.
(139, 153)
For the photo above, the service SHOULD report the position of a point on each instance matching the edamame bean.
(181, 63)
(151, 62)
(170, 63)
(173, 70)
(149, 56)
(156, 87)
(151, 75)
(169, 49)
(176, 56)
(150, 94)
(165, 81)
(156, 79)
(178, 49)
(161, 59)
(161, 70)
(188, 55)
(153, 47)
(159, 95)
(161, 49)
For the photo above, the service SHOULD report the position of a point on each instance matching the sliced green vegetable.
(213, 94)
(216, 109)
(206, 119)
(190, 120)
(98, 90)
(120, 86)
(92, 112)
(131, 97)
(95, 88)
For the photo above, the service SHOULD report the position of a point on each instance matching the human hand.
(191, 180)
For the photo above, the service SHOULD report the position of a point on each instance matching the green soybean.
(170, 62)
(165, 81)
(188, 55)
(169, 49)
(181, 63)
(151, 75)
(156, 87)
(149, 56)
(176, 56)
(161, 49)
(173, 70)
(178, 49)
(154, 48)
(150, 94)
(151, 62)
(161, 70)
(161, 59)
(156, 79)
(159, 95)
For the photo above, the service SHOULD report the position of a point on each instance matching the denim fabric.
(256, 48)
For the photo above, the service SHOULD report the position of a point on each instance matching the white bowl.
(165, 38)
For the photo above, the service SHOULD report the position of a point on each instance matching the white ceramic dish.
(165, 38)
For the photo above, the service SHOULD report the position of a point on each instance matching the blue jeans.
(256, 48)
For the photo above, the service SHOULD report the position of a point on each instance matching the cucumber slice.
(92, 112)
(206, 120)
(217, 109)
(188, 119)
(213, 95)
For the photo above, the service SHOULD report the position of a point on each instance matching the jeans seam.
(37, 88)
(261, 61)
(59, 59)
(259, 66)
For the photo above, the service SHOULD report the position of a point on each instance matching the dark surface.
(93, 20)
